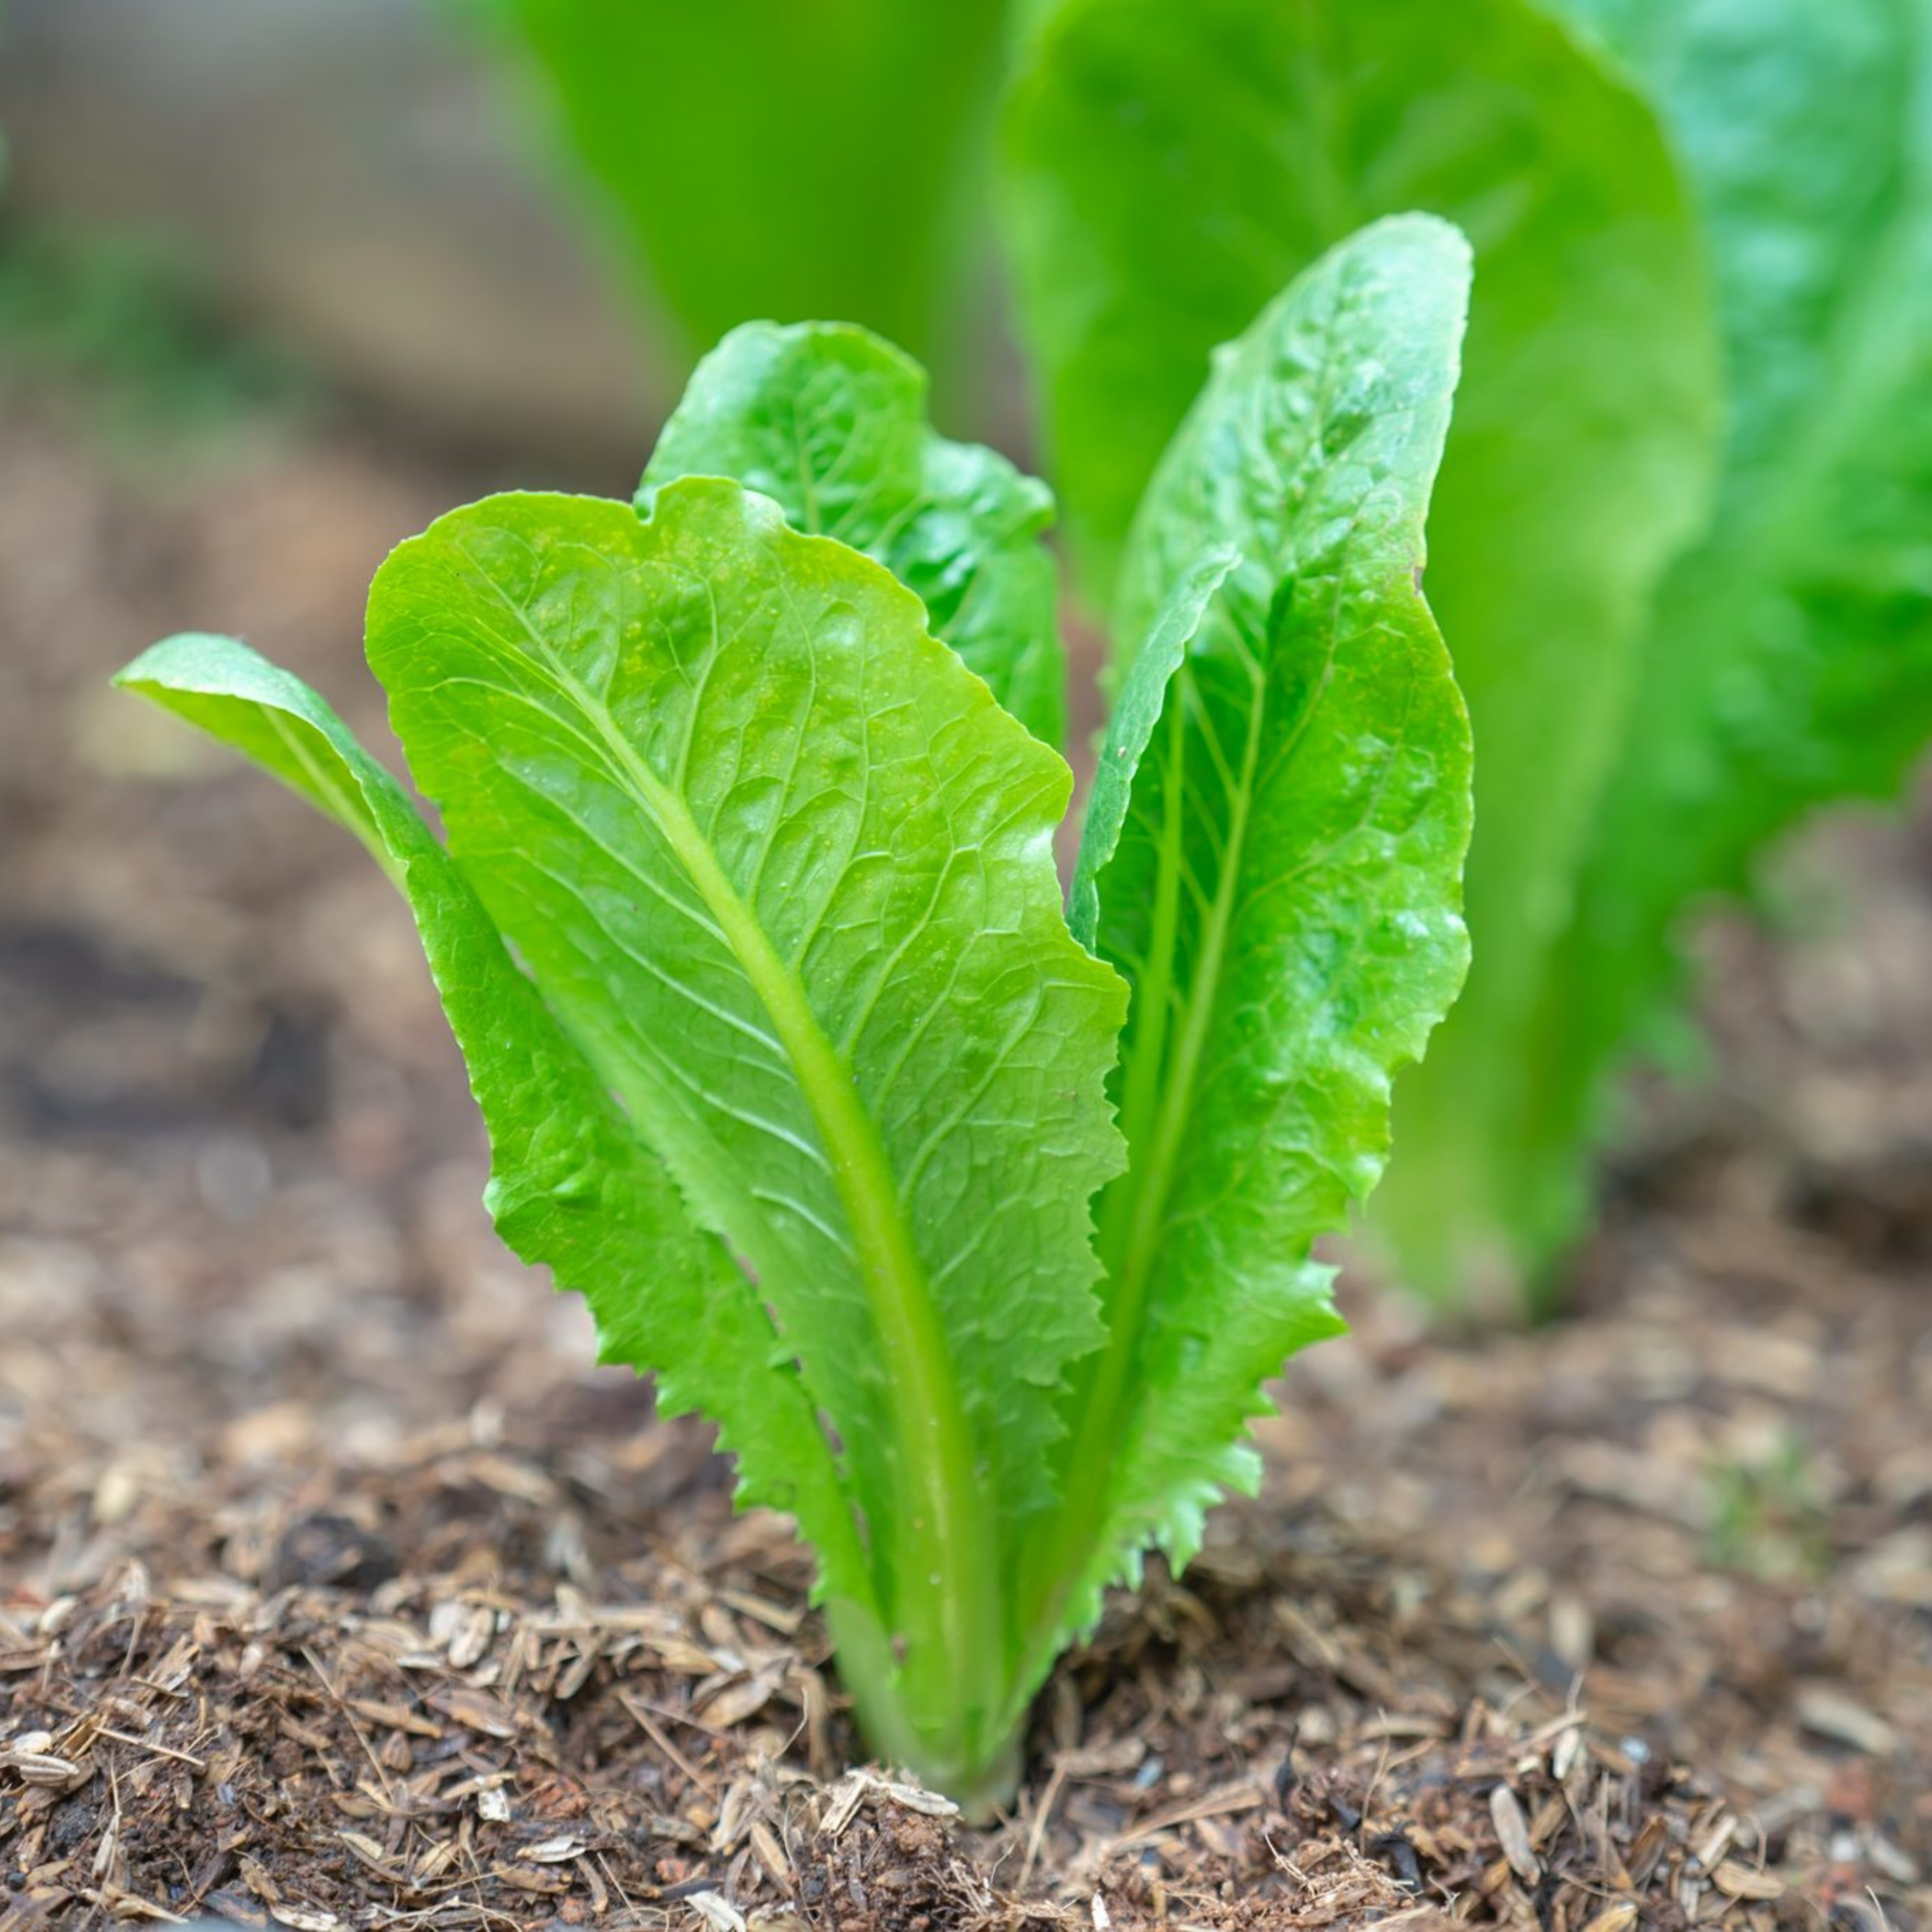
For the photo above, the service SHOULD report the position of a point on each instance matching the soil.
(336, 1588)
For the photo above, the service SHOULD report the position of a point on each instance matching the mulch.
(337, 1590)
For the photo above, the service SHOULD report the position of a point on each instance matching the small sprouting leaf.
(830, 421)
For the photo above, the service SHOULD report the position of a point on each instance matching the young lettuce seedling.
(796, 1070)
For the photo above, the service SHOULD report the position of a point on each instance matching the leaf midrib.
(953, 1550)
(1129, 1236)
(1137, 1204)
(1130, 1242)
(1129, 1233)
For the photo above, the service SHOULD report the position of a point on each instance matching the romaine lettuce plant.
(1788, 659)
(976, 1234)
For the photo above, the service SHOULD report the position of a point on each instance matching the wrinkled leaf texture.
(830, 422)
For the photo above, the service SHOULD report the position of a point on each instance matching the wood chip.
(396, 1717)
(843, 1807)
(371, 1854)
(1827, 1710)
(1513, 1834)
(304, 1917)
(475, 1711)
(1618, 1917)
(42, 1768)
(130, 1905)
(532, 1879)
(770, 1854)
(717, 1912)
(739, 1703)
(1740, 1881)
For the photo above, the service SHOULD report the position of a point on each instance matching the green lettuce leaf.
(1168, 170)
(1790, 661)
(785, 869)
(1283, 888)
(830, 421)
(1138, 707)
(766, 158)
(572, 1186)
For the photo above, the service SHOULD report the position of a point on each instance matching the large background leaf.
(1284, 895)
(830, 421)
(572, 1186)
(772, 159)
(1170, 168)
(786, 868)
(1790, 662)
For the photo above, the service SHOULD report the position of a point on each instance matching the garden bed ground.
(335, 1587)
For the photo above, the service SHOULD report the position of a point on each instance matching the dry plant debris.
(335, 1591)
(476, 1740)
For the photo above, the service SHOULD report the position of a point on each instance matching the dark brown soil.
(336, 1588)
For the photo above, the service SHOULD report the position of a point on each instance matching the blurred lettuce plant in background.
(1683, 538)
